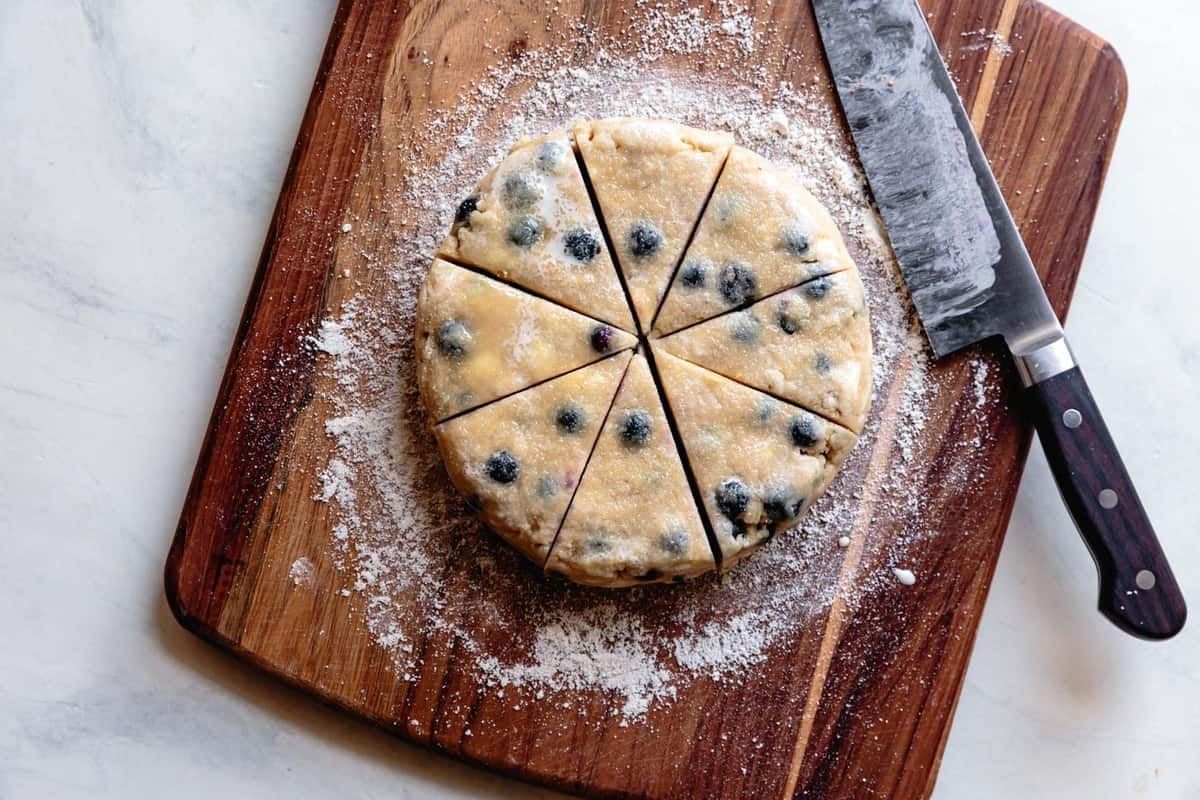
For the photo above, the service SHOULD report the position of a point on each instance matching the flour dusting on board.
(301, 571)
(410, 548)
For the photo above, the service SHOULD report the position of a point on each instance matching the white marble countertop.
(143, 148)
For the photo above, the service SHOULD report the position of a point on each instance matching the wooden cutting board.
(858, 703)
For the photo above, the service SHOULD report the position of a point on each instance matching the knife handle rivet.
(1072, 418)
(1107, 498)
(1145, 580)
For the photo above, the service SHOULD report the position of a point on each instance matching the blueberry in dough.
(782, 504)
(733, 497)
(465, 209)
(737, 283)
(570, 418)
(644, 239)
(745, 329)
(804, 432)
(819, 288)
(692, 275)
(581, 245)
(822, 364)
(724, 207)
(601, 338)
(551, 156)
(786, 323)
(547, 487)
(635, 428)
(525, 231)
(502, 467)
(674, 542)
(453, 339)
(597, 544)
(794, 240)
(522, 190)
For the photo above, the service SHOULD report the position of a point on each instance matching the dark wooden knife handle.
(1138, 591)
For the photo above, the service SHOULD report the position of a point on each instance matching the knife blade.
(972, 279)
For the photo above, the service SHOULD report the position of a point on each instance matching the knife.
(971, 279)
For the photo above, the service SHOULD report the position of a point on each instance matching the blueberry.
(724, 207)
(453, 339)
(745, 329)
(764, 410)
(819, 288)
(733, 497)
(502, 467)
(551, 156)
(581, 245)
(786, 323)
(674, 542)
(522, 190)
(649, 575)
(794, 240)
(822, 364)
(547, 487)
(635, 428)
(737, 283)
(781, 505)
(525, 231)
(570, 418)
(597, 544)
(465, 209)
(804, 432)
(692, 275)
(644, 239)
(601, 338)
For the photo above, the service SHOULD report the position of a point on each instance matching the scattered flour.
(409, 546)
(779, 122)
(979, 383)
(332, 338)
(983, 39)
(301, 571)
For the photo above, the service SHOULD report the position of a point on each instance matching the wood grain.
(860, 703)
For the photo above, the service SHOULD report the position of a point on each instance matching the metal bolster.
(1044, 362)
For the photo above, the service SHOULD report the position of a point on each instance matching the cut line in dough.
(479, 339)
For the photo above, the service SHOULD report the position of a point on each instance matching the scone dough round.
(616, 460)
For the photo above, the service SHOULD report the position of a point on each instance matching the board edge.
(205, 626)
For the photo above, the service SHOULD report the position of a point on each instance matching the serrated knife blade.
(971, 279)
